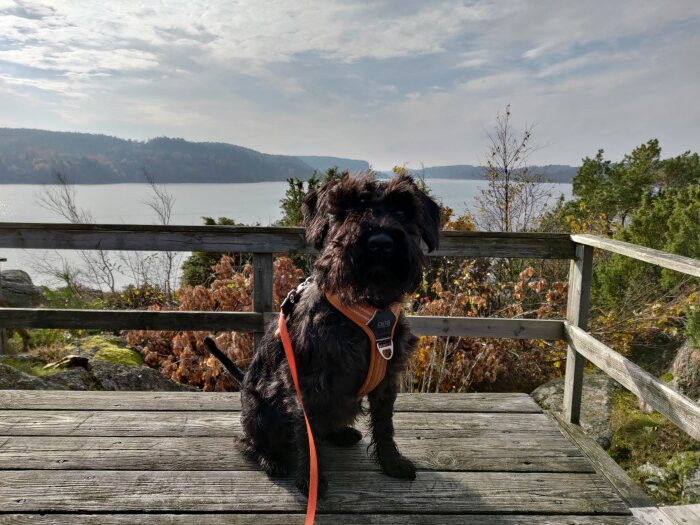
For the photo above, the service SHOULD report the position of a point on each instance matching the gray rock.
(113, 376)
(686, 371)
(596, 405)
(70, 379)
(18, 291)
(683, 470)
(652, 476)
(73, 379)
(691, 487)
(11, 378)
(651, 470)
(96, 374)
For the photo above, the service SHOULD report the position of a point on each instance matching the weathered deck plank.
(321, 519)
(682, 514)
(169, 458)
(227, 402)
(219, 424)
(517, 452)
(349, 492)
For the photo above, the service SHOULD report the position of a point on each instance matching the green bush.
(197, 270)
(136, 298)
(65, 297)
(669, 222)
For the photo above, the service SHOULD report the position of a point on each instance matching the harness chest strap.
(379, 325)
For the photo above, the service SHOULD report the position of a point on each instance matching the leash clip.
(386, 348)
(293, 297)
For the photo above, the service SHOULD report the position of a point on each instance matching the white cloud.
(391, 81)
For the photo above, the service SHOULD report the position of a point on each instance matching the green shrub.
(136, 298)
(196, 270)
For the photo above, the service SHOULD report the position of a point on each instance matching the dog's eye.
(400, 214)
(365, 199)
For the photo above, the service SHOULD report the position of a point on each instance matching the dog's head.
(369, 234)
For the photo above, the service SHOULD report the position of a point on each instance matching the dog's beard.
(378, 280)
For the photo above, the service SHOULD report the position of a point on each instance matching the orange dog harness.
(379, 325)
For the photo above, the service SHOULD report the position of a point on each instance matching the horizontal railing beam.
(130, 320)
(229, 239)
(255, 322)
(244, 239)
(673, 405)
(487, 327)
(671, 261)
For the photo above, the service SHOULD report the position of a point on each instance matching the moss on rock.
(107, 348)
(122, 356)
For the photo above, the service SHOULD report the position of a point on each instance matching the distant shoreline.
(181, 183)
(31, 156)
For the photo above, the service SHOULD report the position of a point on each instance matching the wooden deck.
(110, 457)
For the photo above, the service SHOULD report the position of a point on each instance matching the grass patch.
(639, 438)
(34, 368)
(40, 337)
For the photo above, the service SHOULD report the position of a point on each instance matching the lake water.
(248, 203)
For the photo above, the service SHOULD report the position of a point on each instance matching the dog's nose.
(380, 244)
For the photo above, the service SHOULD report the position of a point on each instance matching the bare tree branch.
(513, 198)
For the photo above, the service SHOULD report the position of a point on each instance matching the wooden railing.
(264, 242)
(684, 412)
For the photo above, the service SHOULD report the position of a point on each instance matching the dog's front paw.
(345, 437)
(302, 483)
(275, 469)
(397, 466)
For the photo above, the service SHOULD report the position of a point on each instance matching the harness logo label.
(381, 324)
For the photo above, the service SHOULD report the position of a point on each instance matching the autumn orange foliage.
(181, 355)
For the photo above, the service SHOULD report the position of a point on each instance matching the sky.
(393, 82)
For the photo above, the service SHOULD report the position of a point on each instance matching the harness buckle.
(386, 348)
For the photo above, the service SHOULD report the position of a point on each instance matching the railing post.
(262, 288)
(3, 334)
(580, 273)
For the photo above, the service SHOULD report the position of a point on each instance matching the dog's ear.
(428, 213)
(430, 221)
(316, 227)
(314, 208)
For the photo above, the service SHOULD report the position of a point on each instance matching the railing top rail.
(679, 263)
(258, 239)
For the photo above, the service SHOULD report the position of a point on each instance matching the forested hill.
(29, 156)
(34, 156)
(549, 173)
(323, 163)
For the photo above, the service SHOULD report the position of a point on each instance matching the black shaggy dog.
(369, 236)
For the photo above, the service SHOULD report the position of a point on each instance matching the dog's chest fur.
(332, 355)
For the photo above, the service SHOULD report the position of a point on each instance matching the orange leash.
(313, 462)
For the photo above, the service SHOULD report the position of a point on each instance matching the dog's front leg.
(303, 462)
(386, 453)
